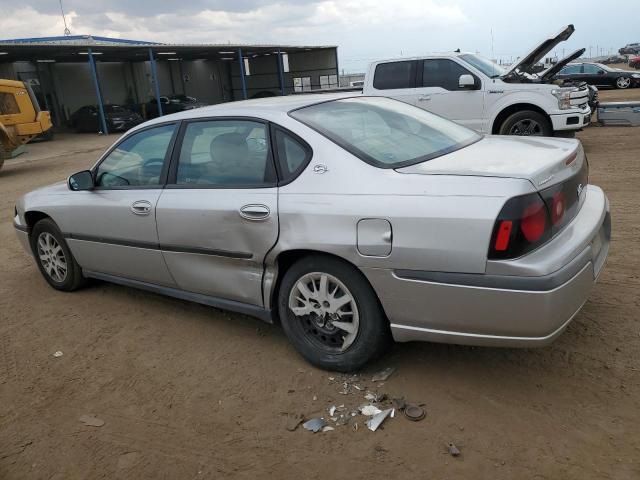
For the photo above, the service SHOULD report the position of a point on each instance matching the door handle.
(141, 207)
(255, 212)
(424, 98)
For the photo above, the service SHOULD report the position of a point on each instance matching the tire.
(529, 121)
(4, 154)
(45, 239)
(325, 346)
(623, 82)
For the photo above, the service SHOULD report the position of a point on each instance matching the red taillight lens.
(534, 221)
(558, 207)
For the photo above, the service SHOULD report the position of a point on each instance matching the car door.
(439, 92)
(218, 216)
(594, 75)
(112, 228)
(396, 80)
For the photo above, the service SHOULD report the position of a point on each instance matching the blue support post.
(281, 72)
(244, 80)
(96, 85)
(154, 76)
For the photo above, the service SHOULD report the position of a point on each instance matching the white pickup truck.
(479, 94)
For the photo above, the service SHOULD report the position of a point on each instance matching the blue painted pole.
(154, 76)
(281, 72)
(96, 85)
(244, 80)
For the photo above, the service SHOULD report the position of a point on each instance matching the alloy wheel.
(52, 258)
(623, 82)
(327, 311)
(526, 127)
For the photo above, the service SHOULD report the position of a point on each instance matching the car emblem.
(580, 188)
(320, 168)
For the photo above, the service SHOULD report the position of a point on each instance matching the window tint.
(292, 155)
(395, 75)
(138, 160)
(225, 153)
(570, 70)
(384, 132)
(442, 73)
(8, 104)
(591, 69)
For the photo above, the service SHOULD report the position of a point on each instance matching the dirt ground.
(188, 392)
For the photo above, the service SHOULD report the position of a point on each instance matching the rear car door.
(439, 92)
(112, 228)
(218, 215)
(396, 80)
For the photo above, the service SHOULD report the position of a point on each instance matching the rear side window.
(443, 73)
(570, 70)
(392, 75)
(293, 155)
(8, 104)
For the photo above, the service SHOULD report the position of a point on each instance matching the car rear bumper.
(506, 310)
(574, 120)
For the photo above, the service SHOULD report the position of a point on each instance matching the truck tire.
(526, 123)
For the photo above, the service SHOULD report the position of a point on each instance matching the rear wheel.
(54, 259)
(526, 123)
(623, 82)
(331, 314)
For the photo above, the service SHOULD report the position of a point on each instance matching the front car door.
(439, 92)
(112, 228)
(218, 216)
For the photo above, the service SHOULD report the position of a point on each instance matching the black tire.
(73, 278)
(372, 335)
(541, 124)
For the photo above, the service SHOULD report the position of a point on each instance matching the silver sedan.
(350, 220)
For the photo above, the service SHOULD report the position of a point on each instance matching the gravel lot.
(187, 391)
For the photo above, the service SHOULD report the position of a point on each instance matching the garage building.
(69, 72)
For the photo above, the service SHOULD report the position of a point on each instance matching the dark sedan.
(599, 75)
(87, 118)
(172, 104)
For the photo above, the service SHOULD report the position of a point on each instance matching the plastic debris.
(327, 428)
(453, 450)
(58, 354)
(374, 422)
(383, 375)
(293, 421)
(91, 420)
(315, 424)
(414, 413)
(332, 411)
(369, 410)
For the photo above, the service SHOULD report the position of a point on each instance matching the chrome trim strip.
(224, 304)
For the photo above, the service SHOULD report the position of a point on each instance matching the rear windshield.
(383, 132)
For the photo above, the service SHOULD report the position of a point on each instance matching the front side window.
(383, 132)
(570, 70)
(225, 153)
(138, 160)
(443, 73)
(395, 75)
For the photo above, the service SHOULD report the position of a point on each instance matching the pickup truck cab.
(477, 93)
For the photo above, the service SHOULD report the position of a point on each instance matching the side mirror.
(467, 81)
(81, 181)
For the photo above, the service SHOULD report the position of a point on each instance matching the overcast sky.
(364, 30)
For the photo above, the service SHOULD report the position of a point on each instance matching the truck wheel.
(331, 314)
(526, 123)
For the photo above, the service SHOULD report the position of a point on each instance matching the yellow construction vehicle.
(20, 117)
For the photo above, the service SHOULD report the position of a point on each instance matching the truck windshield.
(383, 132)
(489, 68)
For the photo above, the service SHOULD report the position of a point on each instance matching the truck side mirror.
(467, 82)
(81, 181)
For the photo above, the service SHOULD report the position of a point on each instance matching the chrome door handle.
(141, 207)
(255, 212)
(424, 98)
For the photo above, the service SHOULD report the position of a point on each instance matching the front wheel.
(623, 82)
(54, 259)
(526, 123)
(331, 314)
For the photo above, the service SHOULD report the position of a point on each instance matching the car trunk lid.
(543, 161)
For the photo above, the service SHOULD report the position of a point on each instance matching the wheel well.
(288, 258)
(34, 217)
(511, 109)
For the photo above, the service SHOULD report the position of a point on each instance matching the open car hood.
(526, 63)
(560, 64)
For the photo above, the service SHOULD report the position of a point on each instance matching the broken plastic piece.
(91, 420)
(315, 424)
(383, 375)
(369, 410)
(374, 422)
(327, 428)
(453, 450)
(57, 354)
